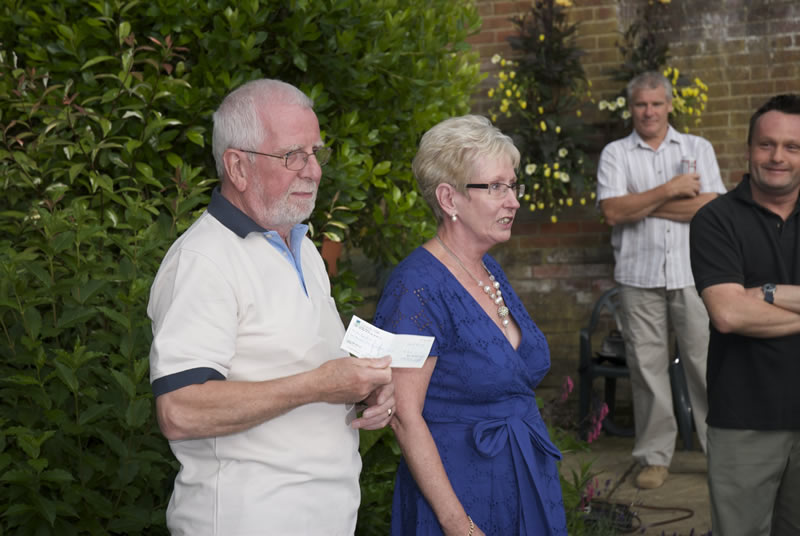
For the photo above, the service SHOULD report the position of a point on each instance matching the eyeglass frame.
(286, 156)
(517, 186)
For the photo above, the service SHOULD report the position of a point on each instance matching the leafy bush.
(105, 160)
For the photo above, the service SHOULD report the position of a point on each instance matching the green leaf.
(383, 167)
(56, 475)
(123, 31)
(67, 376)
(138, 412)
(75, 315)
(196, 138)
(93, 412)
(95, 61)
(123, 381)
(117, 317)
(46, 507)
(33, 322)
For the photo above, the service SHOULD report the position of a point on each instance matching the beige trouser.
(647, 315)
(754, 480)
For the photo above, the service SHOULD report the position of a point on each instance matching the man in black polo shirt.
(745, 253)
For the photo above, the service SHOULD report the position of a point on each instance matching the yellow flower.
(512, 74)
(532, 207)
(503, 63)
(569, 201)
(501, 86)
(558, 130)
(508, 93)
(626, 114)
(593, 195)
(494, 118)
(564, 3)
(540, 110)
(541, 37)
(561, 202)
(704, 97)
(491, 93)
(527, 197)
(540, 205)
(557, 174)
(578, 113)
(555, 166)
(517, 94)
(583, 201)
(543, 126)
(523, 104)
(547, 172)
(553, 218)
(502, 76)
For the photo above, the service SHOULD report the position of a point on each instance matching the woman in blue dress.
(477, 458)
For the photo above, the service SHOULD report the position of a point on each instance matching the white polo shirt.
(653, 252)
(227, 304)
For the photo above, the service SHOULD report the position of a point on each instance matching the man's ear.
(235, 169)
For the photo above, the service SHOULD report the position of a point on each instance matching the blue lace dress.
(480, 405)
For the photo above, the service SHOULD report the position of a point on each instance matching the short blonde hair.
(448, 152)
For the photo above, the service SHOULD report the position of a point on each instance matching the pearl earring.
(454, 217)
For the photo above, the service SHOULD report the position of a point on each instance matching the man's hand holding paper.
(362, 339)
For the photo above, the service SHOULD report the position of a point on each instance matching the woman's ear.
(234, 162)
(445, 195)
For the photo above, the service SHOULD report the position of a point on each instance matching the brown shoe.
(651, 476)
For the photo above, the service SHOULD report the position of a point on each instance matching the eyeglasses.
(500, 189)
(297, 160)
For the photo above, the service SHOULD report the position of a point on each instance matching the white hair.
(237, 122)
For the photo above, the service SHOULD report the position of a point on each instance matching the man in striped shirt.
(649, 197)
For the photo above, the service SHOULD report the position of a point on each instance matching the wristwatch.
(769, 292)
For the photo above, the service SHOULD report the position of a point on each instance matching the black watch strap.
(769, 292)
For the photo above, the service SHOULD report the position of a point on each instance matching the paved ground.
(685, 493)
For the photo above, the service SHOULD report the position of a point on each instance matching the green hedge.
(105, 159)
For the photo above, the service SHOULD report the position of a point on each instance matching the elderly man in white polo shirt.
(251, 387)
(649, 199)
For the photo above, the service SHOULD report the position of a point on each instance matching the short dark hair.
(788, 103)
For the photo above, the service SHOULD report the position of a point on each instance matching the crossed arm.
(735, 309)
(677, 199)
(216, 408)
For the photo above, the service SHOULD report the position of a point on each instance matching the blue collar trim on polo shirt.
(293, 256)
(242, 224)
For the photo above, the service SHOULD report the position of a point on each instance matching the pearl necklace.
(492, 290)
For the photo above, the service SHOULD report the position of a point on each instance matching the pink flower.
(566, 388)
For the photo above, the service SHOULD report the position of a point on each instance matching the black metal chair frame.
(610, 364)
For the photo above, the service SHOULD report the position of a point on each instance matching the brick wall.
(744, 50)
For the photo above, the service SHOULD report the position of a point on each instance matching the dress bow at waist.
(492, 435)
